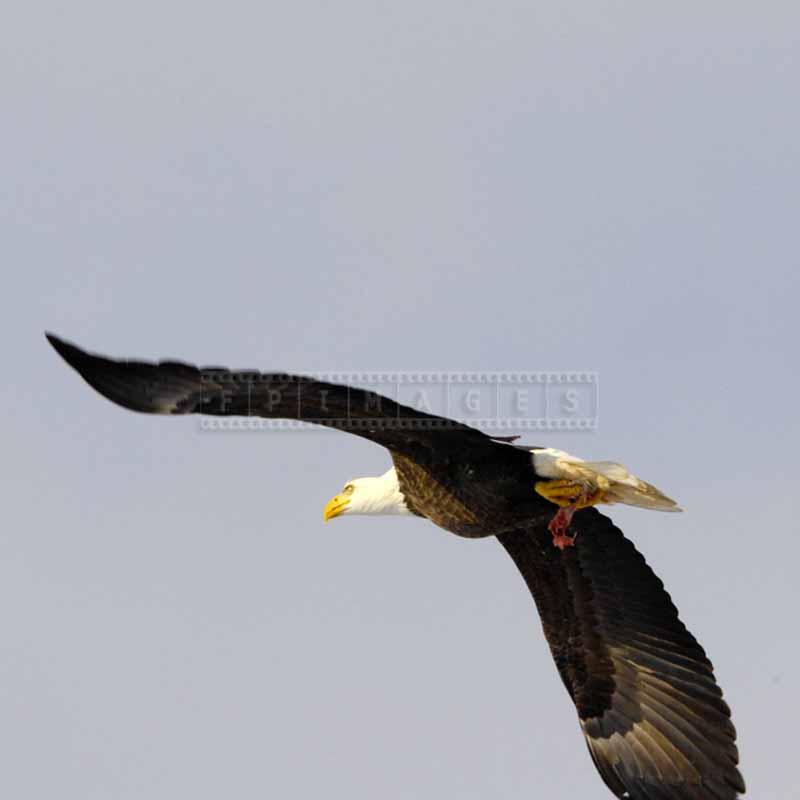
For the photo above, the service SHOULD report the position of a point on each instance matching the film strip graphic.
(496, 402)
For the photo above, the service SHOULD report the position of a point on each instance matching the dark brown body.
(484, 494)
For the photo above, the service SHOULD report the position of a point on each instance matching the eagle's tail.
(623, 487)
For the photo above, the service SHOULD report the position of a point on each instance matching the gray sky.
(367, 185)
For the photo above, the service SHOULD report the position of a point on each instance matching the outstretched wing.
(649, 706)
(172, 387)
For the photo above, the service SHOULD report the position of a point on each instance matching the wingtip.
(68, 351)
(56, 342)
(54, 339)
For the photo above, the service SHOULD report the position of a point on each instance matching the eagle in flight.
(648, 704)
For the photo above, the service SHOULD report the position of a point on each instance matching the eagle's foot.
(569, 496)
(559, 526)
(564, 492)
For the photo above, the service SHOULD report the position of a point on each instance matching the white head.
(378, 495)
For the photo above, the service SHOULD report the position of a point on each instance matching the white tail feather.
(613, 479)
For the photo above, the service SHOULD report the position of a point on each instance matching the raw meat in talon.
(559, 526)
(563, 542)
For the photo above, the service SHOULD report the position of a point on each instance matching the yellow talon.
(564, 492)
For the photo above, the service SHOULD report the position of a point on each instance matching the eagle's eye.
(348, 489)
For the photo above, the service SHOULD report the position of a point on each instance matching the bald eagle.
(648, 704)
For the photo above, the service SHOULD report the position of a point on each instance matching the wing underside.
(173, 387)
(647, 700)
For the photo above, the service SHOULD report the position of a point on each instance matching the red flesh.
(559, 526)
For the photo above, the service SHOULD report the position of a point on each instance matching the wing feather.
(647, 699)
(172, 387)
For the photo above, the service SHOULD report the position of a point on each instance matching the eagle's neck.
(379, 495)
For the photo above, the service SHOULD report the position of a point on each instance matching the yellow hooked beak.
(335, 506)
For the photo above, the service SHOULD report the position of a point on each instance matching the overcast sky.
(598, 186)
